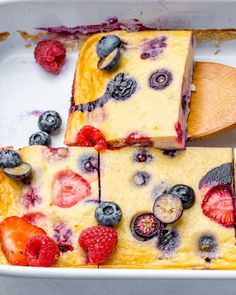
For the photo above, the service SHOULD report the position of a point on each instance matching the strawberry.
(99, 242)
(218, 204)
(14, 235)
(41, 251)
(34, 217)
(136, 138)
(69, 188)
(91, 136)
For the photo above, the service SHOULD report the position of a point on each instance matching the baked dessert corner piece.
(147, 181)
(60, 198)
(144, 100)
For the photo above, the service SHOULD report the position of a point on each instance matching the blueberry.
(168, 208)
(141, 178)
(88, 163)
(207, 244)
(144, 226)
(108, 214)
(160, 79)
(49, 121)
(120, 87)
(142, 156)
(109, 62)
(185, 193)
(168, 240)
(107, 44)
(9, 159)
(40, 138)
(21, 172)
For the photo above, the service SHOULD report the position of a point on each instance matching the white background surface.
(24, 87)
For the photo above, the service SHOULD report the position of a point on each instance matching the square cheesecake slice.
(144, 100)
(61, 197)
(143, 181)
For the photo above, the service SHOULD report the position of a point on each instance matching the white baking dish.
(25, 88)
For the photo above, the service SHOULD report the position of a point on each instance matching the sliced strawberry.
(91, 136)
(14, 235)
(218, 204)
(69, 188)
(34, 217)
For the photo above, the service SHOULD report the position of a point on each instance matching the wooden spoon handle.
(213, 104)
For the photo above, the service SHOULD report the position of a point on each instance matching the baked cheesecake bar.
(178, 209)
(60, 198)
(134, 87)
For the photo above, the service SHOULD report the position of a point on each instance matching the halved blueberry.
(49, 121)
(109, 62)
(40, 138)
(160, 79)
(108, 214)
(88, 163)
(20, 172)
(144, 226)
(185, 193)
(207, 246)
(142, 155)
(9, 159)
(168, 208)
(141, 178)
(107, 44)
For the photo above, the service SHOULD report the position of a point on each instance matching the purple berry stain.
(31, 198)
(151, 48)
(35, 113)
(168, 240)
(62, 236)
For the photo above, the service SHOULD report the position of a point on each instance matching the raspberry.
(41, 251)
(50, 54)
(91, 136)
(99, 243)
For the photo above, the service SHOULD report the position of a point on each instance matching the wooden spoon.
(213, 104)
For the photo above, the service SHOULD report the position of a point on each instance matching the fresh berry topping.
(91, 136)
(14, 235)
(107, 44)
(99, 242)
(56, 154)
(88, 163)
(179, 132)
(207, 246)
(108, 214)
(142, 178)
(185, 193)
(41, 251)
(34, 217)
(144, 226)
(109, 62)
(50, 54)
(160, 79)
(219, 175)
(170, 153)
(151, 48)
(40, 138)
(31, 198)
(218, 204)
(62, 236)
(168, 240)
(9, 159)
(142, 156)
(160, 189)
(168, 208)
(20, 172)
(49, 121)
(138, 139)
(120, 87)
(69, 188)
